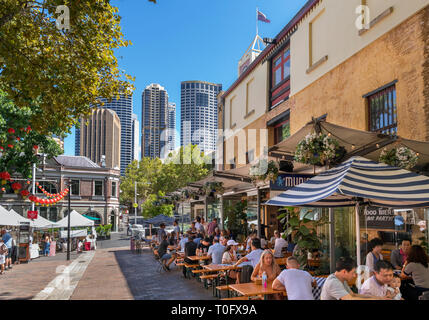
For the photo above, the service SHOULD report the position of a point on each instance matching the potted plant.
(401, 157)
(107, 230)
(264, 170)
(236, 218)
(302, 230)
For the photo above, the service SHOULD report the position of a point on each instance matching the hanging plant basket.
(264, 170)
(318, 149)
(213, 188)
(401, 157)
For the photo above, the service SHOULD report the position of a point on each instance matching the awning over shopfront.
(359, 179)
(356, 143)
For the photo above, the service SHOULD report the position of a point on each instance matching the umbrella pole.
(358, 257)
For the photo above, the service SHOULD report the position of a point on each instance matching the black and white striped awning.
(376, 183)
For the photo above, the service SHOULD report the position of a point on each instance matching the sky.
(181, 40)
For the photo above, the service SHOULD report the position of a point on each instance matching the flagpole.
(257, 20)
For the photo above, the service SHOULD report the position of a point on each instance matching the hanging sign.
(285, 181)
(32, 214)
(379, 218)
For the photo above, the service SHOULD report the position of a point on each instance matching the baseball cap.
(232, 243)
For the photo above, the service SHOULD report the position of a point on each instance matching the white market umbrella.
(76, 220)
(7, 219)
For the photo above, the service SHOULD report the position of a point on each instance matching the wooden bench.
(222, 288)
(237, 298)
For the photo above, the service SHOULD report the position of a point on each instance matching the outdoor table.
(221, 267)
(281, 261)
(253, 289)
(196, 258)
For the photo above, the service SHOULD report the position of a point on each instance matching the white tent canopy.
(76, 220)
(18, 217)
(42, 223)
(7, 219)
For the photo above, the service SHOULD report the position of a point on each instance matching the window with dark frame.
(280, 77)
(114, 189)
(98, 188)
(75, 187)
(282, 131)
(382, 111)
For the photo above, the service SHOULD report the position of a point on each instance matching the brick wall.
(402, 54)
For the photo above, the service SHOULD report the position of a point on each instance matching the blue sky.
(179, 40)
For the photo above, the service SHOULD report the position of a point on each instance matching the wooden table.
(281, 261)
(196, 258)
(253, 289)
(220, 268)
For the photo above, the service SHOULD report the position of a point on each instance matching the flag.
(262, 17)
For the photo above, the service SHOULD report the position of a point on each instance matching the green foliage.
(264, 171)
(18, 152)
(65, 71)
(153, 176)
(213, 187)
(152, 206)
(303, 231)
(236, 217)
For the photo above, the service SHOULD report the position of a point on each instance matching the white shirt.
(278, 246)
(297, 283)
(229, 258)
(254, 257)
(263, 243)
(182, 244)
(373, 288)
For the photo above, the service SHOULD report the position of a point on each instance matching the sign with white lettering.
(286, 181)
(379, 218)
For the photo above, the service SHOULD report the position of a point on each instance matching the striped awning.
(376, 183)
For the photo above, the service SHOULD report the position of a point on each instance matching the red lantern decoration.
(4, 176)
(25, 193)
(11, 131)
(37, 184)
(16, 187)
(28, 129)
(10, 146)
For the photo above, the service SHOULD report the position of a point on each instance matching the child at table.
(393, 288)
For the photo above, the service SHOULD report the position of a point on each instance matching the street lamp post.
(135, 201)
(68, 222)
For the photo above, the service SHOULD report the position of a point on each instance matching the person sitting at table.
(377, 284)
(193, 228)
(279, 244)
(399, 256)
(183, 241)
(336, 286)
(190, 250)
(164, 255)
(264, 242)
(267, 264)
(198, 238)
(417, 267)
(223, 240)
(204, 245)
(230, 254)
(216, 251)
(249, 239)
(297, 283)
(374, 254)
(251, 258)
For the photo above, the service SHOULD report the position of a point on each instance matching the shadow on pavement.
(146, 283)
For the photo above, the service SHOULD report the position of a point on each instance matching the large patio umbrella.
(359, 180)
(161, 218)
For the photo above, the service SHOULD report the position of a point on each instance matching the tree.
(19, 143)
(152, 207)
(64, 71)
(153, 176)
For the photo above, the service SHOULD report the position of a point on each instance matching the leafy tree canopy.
(64, 71)
(19, 143)
(154, 176)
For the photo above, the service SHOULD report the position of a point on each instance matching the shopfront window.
(392, 226)
(50, 213)
(345, 232)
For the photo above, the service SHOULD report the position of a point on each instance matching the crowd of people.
(405, 277)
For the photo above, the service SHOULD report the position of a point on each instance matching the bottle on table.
(264, 279)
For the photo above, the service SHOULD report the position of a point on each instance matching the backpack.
(246, 273)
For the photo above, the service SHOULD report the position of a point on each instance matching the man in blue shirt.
(216, 251)
(7, 239)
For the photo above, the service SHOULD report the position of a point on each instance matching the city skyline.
(189, 59)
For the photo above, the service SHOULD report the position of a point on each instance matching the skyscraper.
(154, 121)
(124, 109)
(100, 138)
(199, 114)
(172, 126)
(136, 135)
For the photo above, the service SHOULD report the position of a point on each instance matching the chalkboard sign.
(379, 218)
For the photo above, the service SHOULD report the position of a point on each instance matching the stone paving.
(119, 274)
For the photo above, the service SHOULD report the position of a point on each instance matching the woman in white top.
(230, 257)
(374, 254)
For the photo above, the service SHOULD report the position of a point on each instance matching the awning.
(91, 218)
(356, 143)
(76, 220)
(359, 179)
